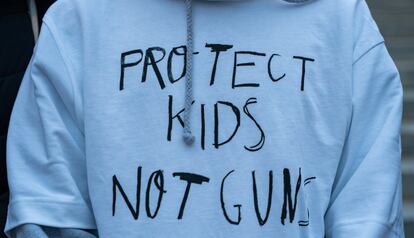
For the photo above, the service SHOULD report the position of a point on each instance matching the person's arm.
(45, 146)
(366, 199)
(36, 231)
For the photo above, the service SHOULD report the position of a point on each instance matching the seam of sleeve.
(375, 45)
(378, 222)
(51, 27)
(375, 32)
(64, 215)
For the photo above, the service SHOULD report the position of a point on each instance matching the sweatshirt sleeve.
(366, 199)
(36, 231)
(45, 146)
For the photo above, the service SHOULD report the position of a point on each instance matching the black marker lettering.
(269, 199)
(236, 112)
(158, 178)
(150, 60)
(287, 196)
(304, 59)
(269, 69)
(125, 65)
(173, 52)
(223, 205)
(190, 178)
(216, 48)
(117, 185)
(236, 64)
(171, 117)
(261, 142)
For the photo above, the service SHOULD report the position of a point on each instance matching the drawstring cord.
(188, 136)
(187, 133)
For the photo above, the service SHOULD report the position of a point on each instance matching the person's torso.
(271, 84)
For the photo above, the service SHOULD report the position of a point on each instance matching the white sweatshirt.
(295, 111)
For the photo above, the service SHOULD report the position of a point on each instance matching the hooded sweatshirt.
(290, 115)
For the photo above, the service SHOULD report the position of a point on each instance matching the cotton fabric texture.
(296, 115)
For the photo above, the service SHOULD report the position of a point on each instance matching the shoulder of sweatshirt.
(72, 21)
(72, 12)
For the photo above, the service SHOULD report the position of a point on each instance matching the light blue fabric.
(296, 116)
(36, 231)
(29, 231)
